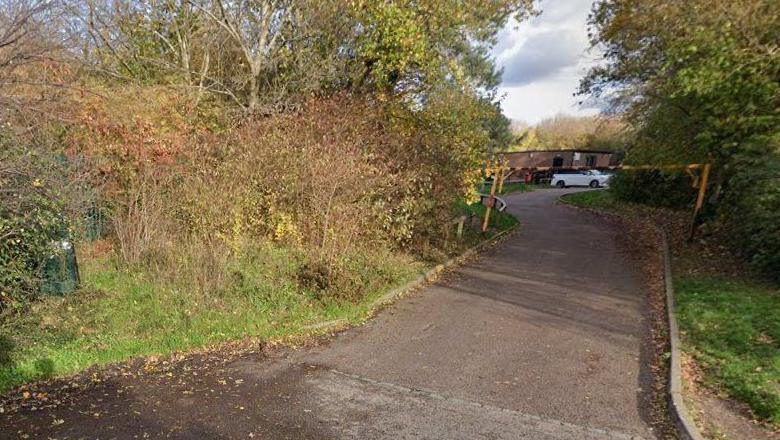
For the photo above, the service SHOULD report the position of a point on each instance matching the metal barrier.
(499, 203)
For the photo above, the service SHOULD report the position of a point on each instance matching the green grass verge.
(499, 221)
(730, 326)
(599, 199)
(510, 188)
(123, 313)
(732, 329)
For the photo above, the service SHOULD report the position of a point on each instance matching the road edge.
(685, 424)
(231, 349)
(428, 277)
(433, 273)
(686, 427)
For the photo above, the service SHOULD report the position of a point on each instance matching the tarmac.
(542, 337)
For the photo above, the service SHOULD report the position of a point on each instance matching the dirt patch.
(717, 416)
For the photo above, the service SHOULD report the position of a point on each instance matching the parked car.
(591, 178)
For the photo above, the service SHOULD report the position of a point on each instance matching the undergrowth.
(123, 312)
(200, 296)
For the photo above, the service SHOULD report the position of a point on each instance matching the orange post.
(702, 183)
(491, 200)
(504, 168)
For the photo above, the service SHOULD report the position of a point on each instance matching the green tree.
(700, 81)
(409, 46)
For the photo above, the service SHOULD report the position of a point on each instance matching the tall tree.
(695, 77)
(408, 46)
(700, 81)
(262, 52)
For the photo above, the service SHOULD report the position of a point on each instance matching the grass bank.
(263, 292)
(509, 188)
(121, 313)
(498, 221)
(730, 320)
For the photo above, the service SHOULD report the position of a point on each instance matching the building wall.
(580, 159)
(538, 159)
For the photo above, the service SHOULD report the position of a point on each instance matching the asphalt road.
(541, 338)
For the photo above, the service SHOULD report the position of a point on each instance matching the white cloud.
(542, 55)
(543, 61)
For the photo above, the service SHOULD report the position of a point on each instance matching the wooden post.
(705, 176)
(491, 200)
(461, 221)
(503, 168)
(504, 176)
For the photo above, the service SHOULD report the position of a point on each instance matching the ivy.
(31, 218)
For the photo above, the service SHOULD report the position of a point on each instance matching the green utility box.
(61, 270)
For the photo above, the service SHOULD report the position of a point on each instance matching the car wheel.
(594, 183)
(561, 184)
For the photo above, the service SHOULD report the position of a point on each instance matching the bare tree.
(259, 28)
(231, 48)
(34, 61)
(21, 41)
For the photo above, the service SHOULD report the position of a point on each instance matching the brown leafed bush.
(138, 219)
(335, 176)
(341, 177)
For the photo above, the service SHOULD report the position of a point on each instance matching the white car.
(591, 178)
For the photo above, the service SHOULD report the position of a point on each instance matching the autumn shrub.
(339, 173)
(138, 219)
(136, 145)
(339, 279)
(300, 179)
(341, 177)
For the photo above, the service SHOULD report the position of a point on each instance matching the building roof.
(579, 150)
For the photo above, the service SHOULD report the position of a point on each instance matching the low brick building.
(561, 158)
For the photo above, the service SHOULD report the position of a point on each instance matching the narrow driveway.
(541, 338)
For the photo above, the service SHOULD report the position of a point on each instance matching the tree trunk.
(253, 98)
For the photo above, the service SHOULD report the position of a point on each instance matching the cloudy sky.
(543, 60)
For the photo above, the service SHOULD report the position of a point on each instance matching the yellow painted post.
(491, 200)
(501, 182)
(705, 176)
